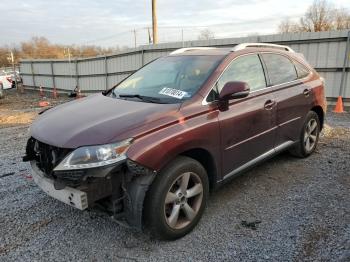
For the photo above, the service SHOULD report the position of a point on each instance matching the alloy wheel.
(310, 135)
(183, 200)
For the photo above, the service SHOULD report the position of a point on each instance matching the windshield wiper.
(143, 98)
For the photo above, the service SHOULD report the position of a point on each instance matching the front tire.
(177, 199)
(309, 136)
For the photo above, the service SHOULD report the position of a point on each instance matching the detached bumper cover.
(68, 195)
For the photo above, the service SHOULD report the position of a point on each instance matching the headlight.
(94, 156)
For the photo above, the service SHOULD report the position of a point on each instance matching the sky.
(111, 23)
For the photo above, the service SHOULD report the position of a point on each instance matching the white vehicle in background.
(8, 79)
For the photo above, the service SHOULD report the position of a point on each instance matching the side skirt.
(256, 161)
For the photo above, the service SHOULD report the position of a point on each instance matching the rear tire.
(309, 136)
(177, 199)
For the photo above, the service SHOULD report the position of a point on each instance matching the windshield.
(170, 79)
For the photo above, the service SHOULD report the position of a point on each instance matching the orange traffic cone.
(78, 94)
(44, 103)
(54, 93)
(339, 106)
(41, 91)
(42, 95)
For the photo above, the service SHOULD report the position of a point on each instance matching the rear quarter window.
(279, 68)
(302, 71)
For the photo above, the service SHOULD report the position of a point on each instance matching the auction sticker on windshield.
(173, 92)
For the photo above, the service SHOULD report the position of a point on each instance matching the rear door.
(247, 128)
(291, 94)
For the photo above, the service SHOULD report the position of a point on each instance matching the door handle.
(269, 104)
(306, 92)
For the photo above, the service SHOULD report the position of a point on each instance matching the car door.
(291, 95)
(247, 128)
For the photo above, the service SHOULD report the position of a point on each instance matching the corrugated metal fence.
(8, 69)
(326, 51)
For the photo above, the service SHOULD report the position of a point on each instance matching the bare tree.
(320, 16)
(40, 47)
(206, 34)
(287, 26)
(341, 19)
(3, 57)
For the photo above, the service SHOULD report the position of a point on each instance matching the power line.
(109, 37)
(194, 27)
(177, 32)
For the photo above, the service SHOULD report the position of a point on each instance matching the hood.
(98, 119)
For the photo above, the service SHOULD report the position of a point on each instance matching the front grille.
(47, 157)
(74, 175)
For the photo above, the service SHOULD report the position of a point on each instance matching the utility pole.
(182, 37)
(69, 54)
(134, 37)
(14, 69)
(70, 63)
(154, 22)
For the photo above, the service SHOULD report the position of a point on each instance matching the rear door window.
(280, 69)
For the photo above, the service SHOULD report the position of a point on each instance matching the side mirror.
(233, 90)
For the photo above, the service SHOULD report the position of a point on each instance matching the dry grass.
(334, 132)
(18, 108)
(16, 118)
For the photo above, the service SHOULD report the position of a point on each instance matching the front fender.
(157, 149)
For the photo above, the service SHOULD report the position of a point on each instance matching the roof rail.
(245, 45)
(182, 50)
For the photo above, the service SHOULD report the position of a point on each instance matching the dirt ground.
(18, 108)
(286, 209)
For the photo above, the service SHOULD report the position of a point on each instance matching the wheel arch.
(140, 189)
(319, 111)
(205, 158)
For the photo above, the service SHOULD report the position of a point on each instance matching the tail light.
(9, 79)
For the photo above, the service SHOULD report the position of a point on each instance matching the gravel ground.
(302, 205)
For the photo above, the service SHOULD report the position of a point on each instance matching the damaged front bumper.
(119, 189)
(83, 188)
(68, 195)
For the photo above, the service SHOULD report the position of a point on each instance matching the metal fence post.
(76, 73)
(33, 76)
(346, 59)
(142, 57)
(53, 75)
(106, 72)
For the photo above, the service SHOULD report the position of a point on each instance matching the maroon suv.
(150, 149)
